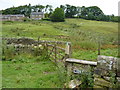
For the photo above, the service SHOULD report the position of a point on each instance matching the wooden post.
(46, 49)
(67, 53)
(72, 67)
(71, 60)
(38, 39)
(99, 47)
(68, 50)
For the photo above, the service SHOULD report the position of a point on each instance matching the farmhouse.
(37, 15)
(18, 17)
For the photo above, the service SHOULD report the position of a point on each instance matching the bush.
(58, 15)
(7, 22)
(46, 19)
(87, 79)
(26, 19)
(8, 53)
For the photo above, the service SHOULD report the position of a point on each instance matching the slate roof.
(37, 13)
(18, 15)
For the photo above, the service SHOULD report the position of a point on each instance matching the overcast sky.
(108, 6)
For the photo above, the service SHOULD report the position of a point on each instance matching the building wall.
(37, 17)
(12, 18)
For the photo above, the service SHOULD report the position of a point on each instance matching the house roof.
(18, 15)
(37, 13)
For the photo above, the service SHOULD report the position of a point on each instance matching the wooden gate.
(57, 51)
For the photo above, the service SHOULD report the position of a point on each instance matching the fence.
(56, 50)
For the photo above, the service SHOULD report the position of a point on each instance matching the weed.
(8, 52)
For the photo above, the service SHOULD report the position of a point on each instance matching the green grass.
(76, 29)
(26, 29)
(30, 73)
(92, 55)
(83, 34)
(30, 70)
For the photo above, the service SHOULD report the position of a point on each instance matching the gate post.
(68, 52)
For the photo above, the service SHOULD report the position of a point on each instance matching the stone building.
(37, 15)
(18, 17)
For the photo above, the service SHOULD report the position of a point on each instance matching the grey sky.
(108, 6)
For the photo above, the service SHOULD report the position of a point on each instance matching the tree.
(48, 11)
(39, 8)
(90, 16)
(63, 7)
(46, 8)
(70, 11)
(25, 9)
(58, 15)
(83, 11)
(78, 11)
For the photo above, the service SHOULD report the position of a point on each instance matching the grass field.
(83, 34)
(30, 74)
(26, 71)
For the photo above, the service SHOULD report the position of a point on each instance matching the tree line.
(67, 11)
(27, 9)
(89, 13)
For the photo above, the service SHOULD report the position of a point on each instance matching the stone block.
(107, 64)
(118, 67)
(74, 83)
(96, 86)
(101, 82)
(101, 72)
(118, 79)
(106, 78)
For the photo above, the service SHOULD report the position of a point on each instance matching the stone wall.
(106, 65)
(107, 73)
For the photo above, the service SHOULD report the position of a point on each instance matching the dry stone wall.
(106, 65)
(107, 73)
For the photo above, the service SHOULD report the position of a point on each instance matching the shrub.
(46, 19)
(26, 19)
(58, 15)
(87, 79)
(8, 53)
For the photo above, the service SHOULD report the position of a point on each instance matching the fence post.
(46, 49)
(68, 53)
(99, 47)
(38, 40)
(68, 50)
